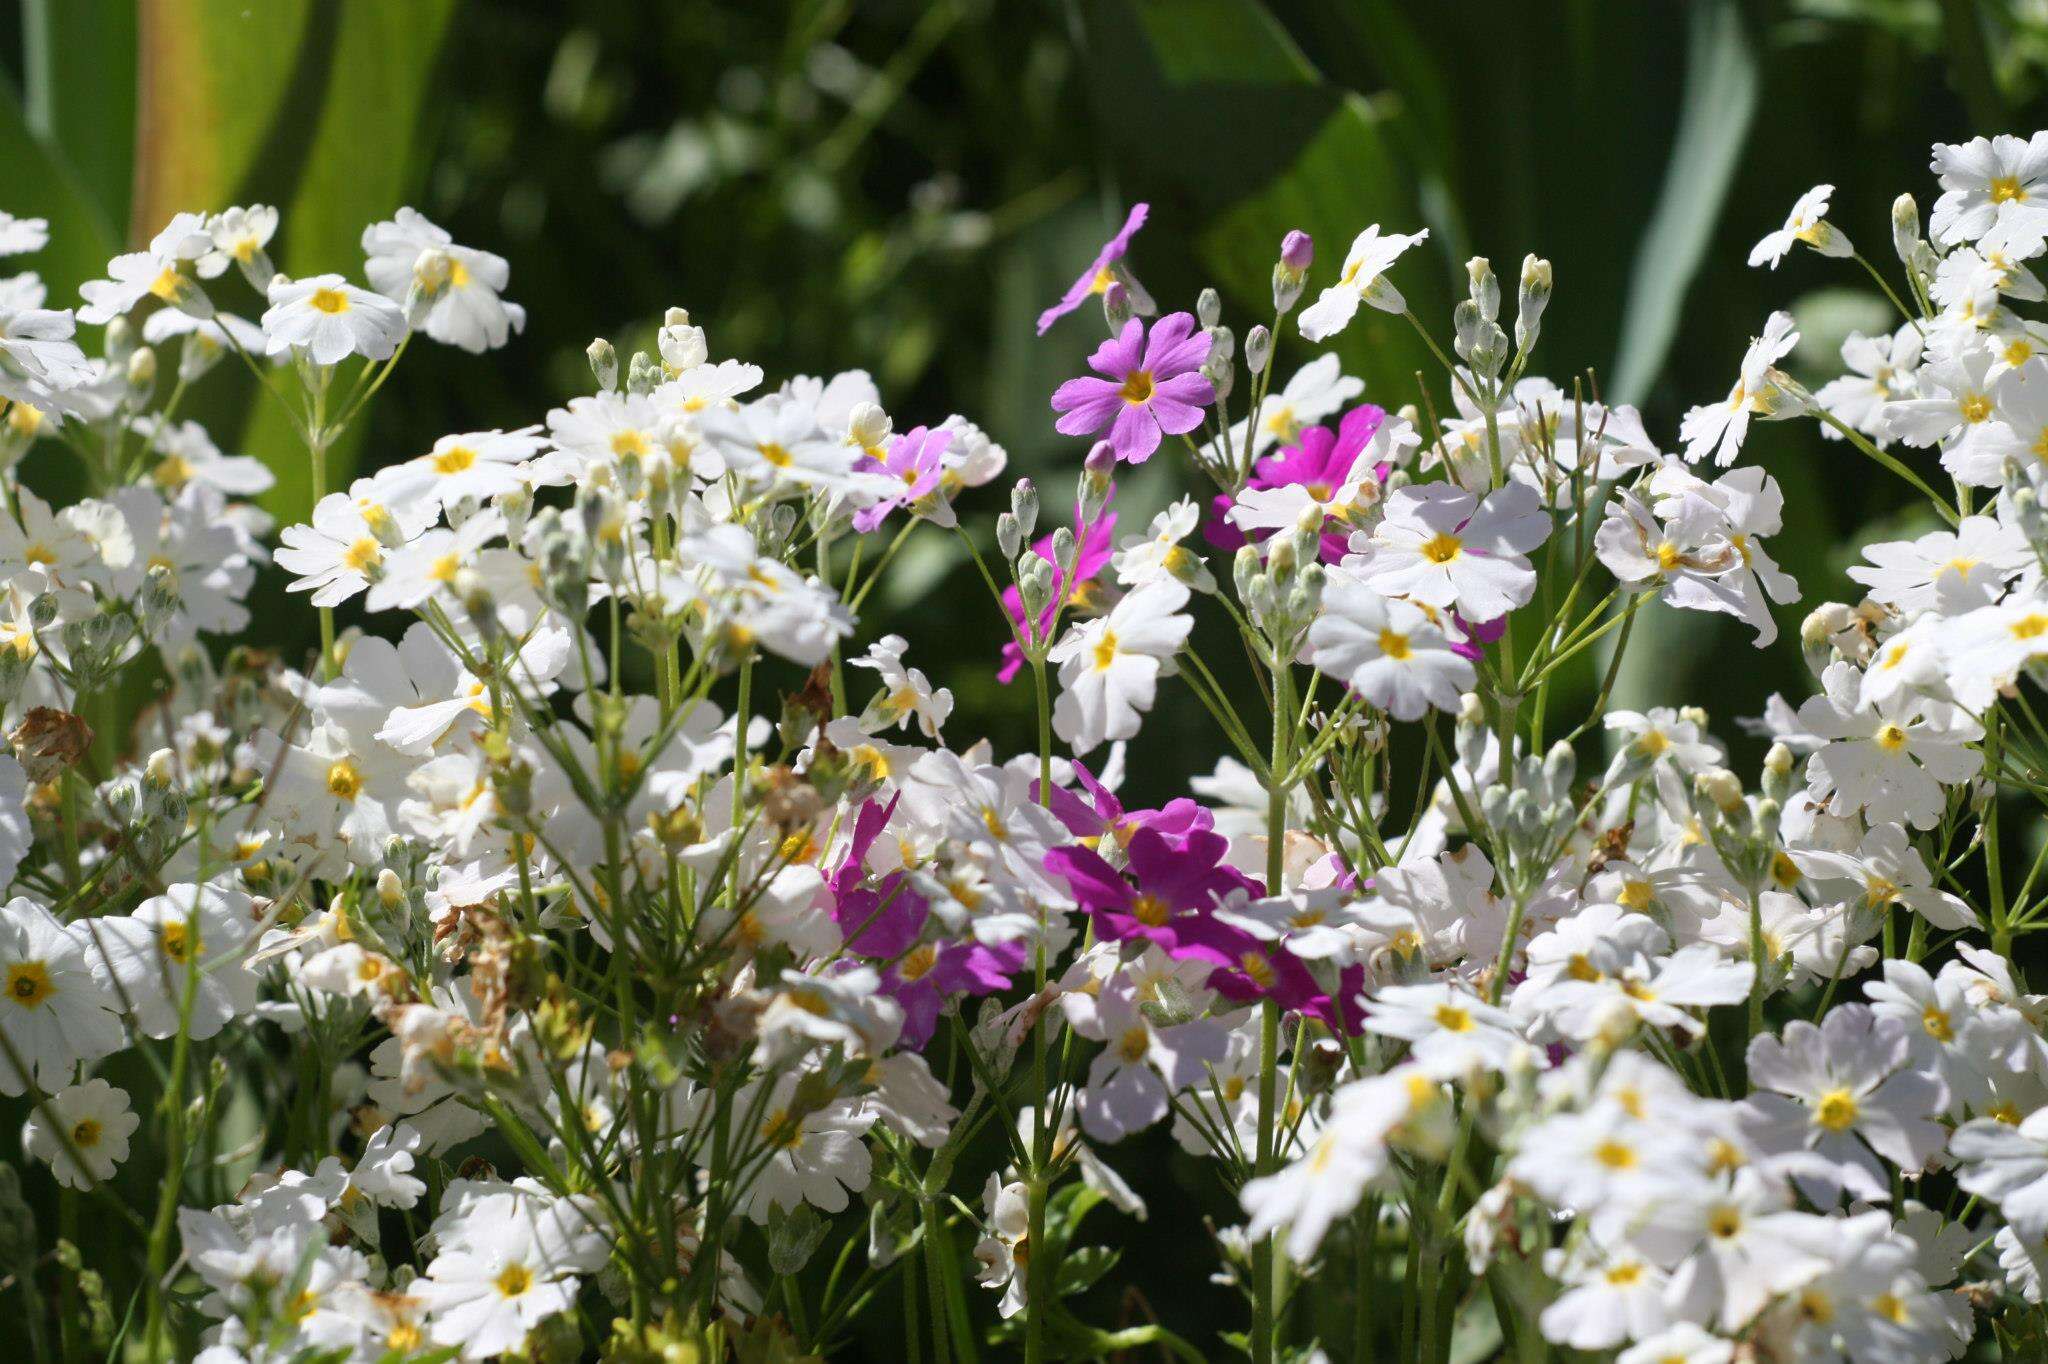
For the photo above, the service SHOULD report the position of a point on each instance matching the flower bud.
(1209, 307)
(1116, 305)
(643, 373)
(1258, 349)
(1066, 552)
(1290, 272)
(142, 372)
(1906, 229)
(1034, 584)
(604, 364)
(1532, 300)
(1485, 288)
(682, 346)
(1024, 506)
(1720, 786)
(1777, 782)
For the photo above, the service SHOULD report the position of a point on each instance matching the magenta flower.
(1151, 386)
(1101, 815)
(1179, 881)
(1320, 459)
(1099, 276)
(1096, 548)
(916, 458)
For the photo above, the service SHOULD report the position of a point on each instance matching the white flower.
(18, 236)
(330, 319)
(2007, 1165)
(1807, 222)
(1346, 1155)
(1141, 1064)
(55, 1005)
(90, 1123)
(1451, 1031)
(1684, 1343)
(1440, 546)
(1159, 552)
(1389, 652)
(1952, 407)
(1718, 429)
(1881, 369)
(508, 1262)
(477, 465)
(1827, 1097)
(459, 285)
(1611, 1295)
(906, 692)
(1362, 281)
(1003, 1255)
(153, 953)
(1889, 760)
(814, 1157)
(1994, 190)
(238, 236)
(1110, 666)
(159, 272)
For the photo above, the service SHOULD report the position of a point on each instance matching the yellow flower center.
(1394, 645)
(1105, 651)
(1441, 548)
(453, 460)
(1451, 1018)
(344, 782)
(28, 983)
(1890, 738)
(85, 1133)
(1150, 910)
(179, 940)
(1837, 1110)
(513, 1280)
(1615, 1155)
(329, 301)
(2006, 189)
(1975, 408)
(1137, 387)
(362, 555)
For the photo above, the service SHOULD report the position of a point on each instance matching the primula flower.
(1110, 666)
(1387, 651)
(1178, 883)
(1322, 470)
(1151, 386)
(56, 1007)
(1108, 269)
(1994, 190)
(96, 1123)
(1363, 281)
(915, 461)
(1807, 222)
(1438, 545)
(330, 319)
(1718, 429)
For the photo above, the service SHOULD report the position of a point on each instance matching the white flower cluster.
(597, 847)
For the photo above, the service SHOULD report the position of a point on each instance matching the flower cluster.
(597, 931)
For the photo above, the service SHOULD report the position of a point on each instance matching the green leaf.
(42, 184)
(78, 91)
(313, 105)
(1716, 109)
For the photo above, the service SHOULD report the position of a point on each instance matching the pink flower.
(916, 458)
(1151, 386)
(1179, 881)
(1097, 278)
(1320, 459)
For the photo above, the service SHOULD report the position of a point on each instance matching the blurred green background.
(901, 185)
